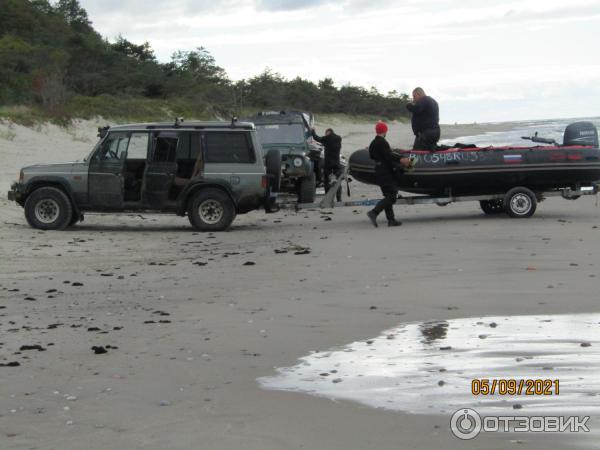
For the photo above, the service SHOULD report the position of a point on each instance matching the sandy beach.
(191, 320)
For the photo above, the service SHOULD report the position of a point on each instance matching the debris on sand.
(295, 248)
(39, 348)
(10, 364)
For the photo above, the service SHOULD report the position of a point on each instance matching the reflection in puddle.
(428, 367)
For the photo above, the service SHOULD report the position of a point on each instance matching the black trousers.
(427, 139)
(390, 195)
(328, 169)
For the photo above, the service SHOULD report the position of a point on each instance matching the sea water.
(551, 129)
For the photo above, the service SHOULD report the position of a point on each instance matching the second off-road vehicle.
(290, 133)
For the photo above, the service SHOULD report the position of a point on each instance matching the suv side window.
(165, 147)
(228, 147)
(114, 147)
(138, 146)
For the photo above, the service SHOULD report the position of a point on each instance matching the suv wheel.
(211, 210)
(307, 188)
(48, 208)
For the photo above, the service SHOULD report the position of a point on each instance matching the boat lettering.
(443, 158)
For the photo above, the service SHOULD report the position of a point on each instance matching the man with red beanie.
(386, 171)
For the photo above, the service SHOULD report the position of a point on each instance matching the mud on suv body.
(210, 171)
(289, 132)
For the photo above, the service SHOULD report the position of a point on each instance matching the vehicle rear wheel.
(491, 207)
(307, 189)
(520, 203)
(48, 208)
(211, 210)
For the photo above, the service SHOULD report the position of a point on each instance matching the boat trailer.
(523, 204)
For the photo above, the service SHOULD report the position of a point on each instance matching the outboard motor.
(581, 133)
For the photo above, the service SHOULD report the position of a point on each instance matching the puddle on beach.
(427, 368)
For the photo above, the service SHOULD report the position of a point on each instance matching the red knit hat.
(381, 128)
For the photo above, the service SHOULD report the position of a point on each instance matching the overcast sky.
(483, 60)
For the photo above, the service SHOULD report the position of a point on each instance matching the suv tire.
(48, 208)
(211, 209)
(307, 188)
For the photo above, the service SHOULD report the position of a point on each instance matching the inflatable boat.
(468, 170)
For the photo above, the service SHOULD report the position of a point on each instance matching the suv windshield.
(281, 133)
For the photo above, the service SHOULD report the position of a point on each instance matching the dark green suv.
(289, 132)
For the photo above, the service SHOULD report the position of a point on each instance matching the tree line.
(51, 55)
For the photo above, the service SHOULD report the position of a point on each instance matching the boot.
(394, 223)
(372, 215)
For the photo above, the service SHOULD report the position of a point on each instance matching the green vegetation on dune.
(55, 66)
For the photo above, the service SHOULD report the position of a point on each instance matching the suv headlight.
(297, 162)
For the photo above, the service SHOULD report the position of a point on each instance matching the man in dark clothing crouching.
(386, 171)
(425, 120)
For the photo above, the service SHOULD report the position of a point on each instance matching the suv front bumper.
(16, 192)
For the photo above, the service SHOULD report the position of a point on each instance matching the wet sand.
(189, 325)
(436, 367)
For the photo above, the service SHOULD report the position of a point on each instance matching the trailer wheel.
(492, 207)
(520, 203)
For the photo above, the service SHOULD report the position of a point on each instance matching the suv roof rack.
(180, 125)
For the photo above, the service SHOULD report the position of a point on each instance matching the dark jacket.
(386, 166)
(425, 115)
(332, 144)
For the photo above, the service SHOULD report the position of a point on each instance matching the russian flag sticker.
(513, 159)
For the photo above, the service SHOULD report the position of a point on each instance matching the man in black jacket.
(425, 120)
(333, 145)
(386, 171)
